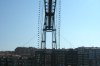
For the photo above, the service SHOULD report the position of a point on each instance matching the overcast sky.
(80, 23)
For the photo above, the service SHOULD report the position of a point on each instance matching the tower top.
(49, 23)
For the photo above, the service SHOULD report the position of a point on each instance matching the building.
(88, 56)
(25, 51)
(81, 56)
(16, 61)
(56, 57)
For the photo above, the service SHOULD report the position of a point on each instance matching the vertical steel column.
(49, 23)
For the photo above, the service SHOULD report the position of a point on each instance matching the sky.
(80, 23)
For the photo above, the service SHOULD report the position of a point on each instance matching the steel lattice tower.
(49, 23)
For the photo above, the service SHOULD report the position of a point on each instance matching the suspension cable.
(59, 23)
(39, 23)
